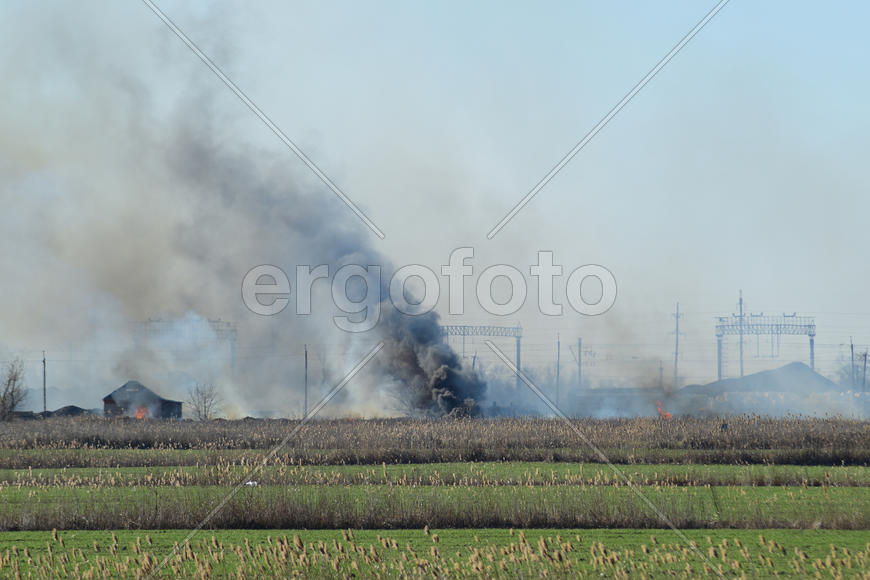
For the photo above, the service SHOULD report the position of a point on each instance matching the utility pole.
(558, 365)
(579, 363)
(305, 404)
(741, 333)
(44, 397)
(852, 366)
(677, 346)
(519, 363)
(864, 375)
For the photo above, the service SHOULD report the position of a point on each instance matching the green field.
(436, 552)
(412, 506)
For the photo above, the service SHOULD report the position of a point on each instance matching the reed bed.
(744, 439)
(442, 474)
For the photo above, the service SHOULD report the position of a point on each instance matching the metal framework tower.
(763, 325)
(464, 330)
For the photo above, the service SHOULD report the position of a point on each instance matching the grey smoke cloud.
(130, 202)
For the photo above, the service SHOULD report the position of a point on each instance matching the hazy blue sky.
(741, 165)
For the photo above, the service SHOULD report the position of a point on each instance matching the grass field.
(396, 553)
(758, 497)
(409, 505)
(316, 506)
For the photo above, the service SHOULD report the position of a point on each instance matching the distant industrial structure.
(477, 330)
(742, 324)
(133, 399)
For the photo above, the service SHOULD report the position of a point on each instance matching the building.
(133, 399)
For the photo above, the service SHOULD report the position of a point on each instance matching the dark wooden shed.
(133, 399)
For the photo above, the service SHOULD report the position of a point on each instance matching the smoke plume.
(428, 370)
(129, 203)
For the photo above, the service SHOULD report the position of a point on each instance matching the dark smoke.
(421, 370)
(424, 373)
(431, 375)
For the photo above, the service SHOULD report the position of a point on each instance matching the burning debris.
(664, 414)
(133, 399)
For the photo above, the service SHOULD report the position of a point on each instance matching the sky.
(741, 165)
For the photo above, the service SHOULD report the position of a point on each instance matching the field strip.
(376, 506)
(445, 474)
(757, 553)
(741, 439)
(98, 457)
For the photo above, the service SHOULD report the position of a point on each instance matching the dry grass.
(443, 474)
(747, 439)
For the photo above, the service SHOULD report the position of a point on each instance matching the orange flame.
(662, 412)
(141, 413)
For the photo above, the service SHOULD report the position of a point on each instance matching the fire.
(662, 412)
(141, 413)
